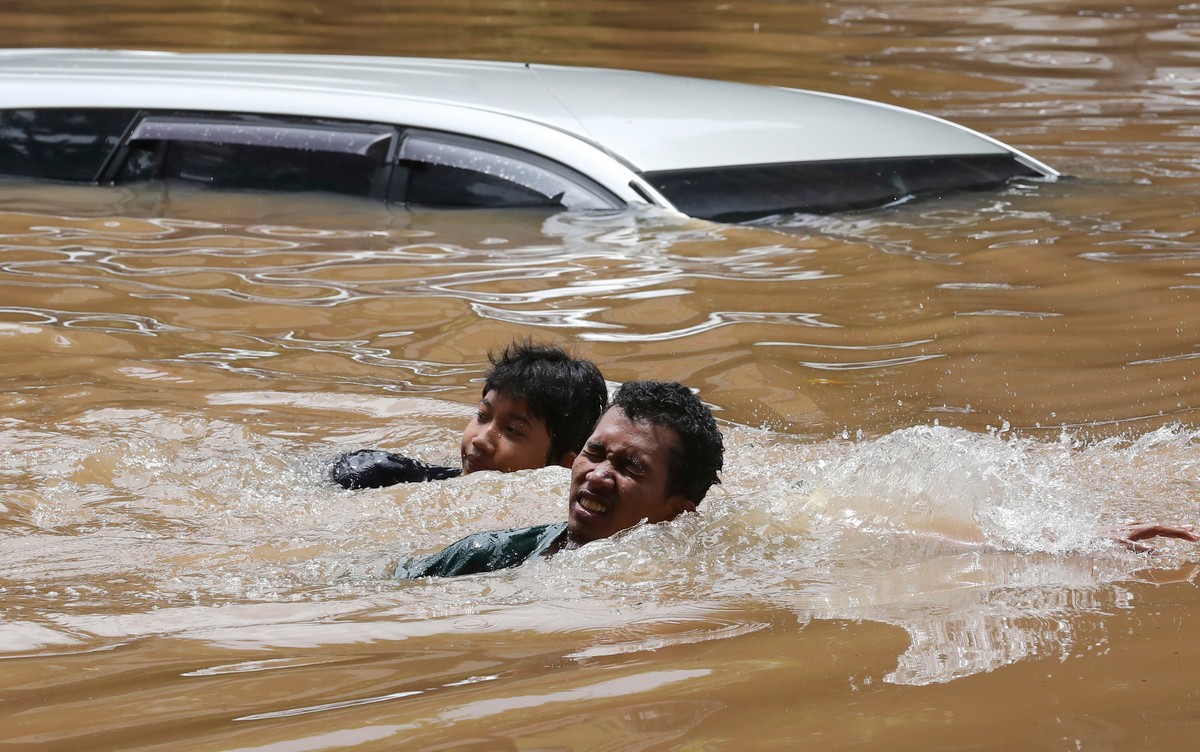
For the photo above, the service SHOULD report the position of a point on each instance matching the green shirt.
(483, 552)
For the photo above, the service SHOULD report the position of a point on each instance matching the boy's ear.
(568, 459)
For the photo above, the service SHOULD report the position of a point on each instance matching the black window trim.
(347, 140)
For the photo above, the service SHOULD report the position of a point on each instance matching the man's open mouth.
(594, 507)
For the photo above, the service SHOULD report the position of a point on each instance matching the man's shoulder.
(518, 533)
(484, 552)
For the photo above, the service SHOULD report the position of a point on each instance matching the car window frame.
(254, 131)
(129, 114)
(603, 197)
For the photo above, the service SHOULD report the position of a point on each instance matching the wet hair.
(695, 465)
(567, 393)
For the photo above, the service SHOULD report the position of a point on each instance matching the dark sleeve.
(475, 554)
(372, 468)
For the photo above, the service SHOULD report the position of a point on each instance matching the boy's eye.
(512, 430)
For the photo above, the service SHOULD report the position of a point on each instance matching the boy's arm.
(373, 468)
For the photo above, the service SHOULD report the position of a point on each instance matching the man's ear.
(568, 459)
(678, 505)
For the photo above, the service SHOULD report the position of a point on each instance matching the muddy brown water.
(930, 410)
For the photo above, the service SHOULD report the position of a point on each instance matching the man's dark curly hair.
(565, 392)
(695, 466)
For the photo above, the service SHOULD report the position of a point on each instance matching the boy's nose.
(485, 439)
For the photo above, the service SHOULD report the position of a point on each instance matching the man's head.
(538, 405)
(654, 454)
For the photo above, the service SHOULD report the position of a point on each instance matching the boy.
(538, 406)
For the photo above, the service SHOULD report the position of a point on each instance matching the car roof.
(648, 122)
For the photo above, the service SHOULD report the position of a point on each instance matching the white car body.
(613, 126)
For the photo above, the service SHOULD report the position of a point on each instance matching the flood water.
(930, 409)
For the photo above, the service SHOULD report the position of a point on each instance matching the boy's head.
(538, 406)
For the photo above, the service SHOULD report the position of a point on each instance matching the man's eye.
(513, 431)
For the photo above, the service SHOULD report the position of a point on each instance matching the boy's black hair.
(695, 466)
(565, 392)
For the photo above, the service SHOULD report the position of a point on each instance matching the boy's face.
(504, 436)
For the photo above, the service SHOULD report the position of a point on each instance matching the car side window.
(240, 151)
(59, 144)
(448, 170)
(249, 153)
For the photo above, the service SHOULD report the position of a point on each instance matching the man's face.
(620, 478)
(505, 436)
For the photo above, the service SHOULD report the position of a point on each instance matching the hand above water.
(1129, 533)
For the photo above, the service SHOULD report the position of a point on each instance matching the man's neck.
(564, 543)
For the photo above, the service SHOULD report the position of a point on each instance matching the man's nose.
(601, 472)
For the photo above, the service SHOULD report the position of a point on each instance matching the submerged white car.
(456, 133)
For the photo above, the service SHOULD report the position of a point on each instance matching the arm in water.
(372, 468)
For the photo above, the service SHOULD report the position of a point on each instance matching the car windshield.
(745, 192)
